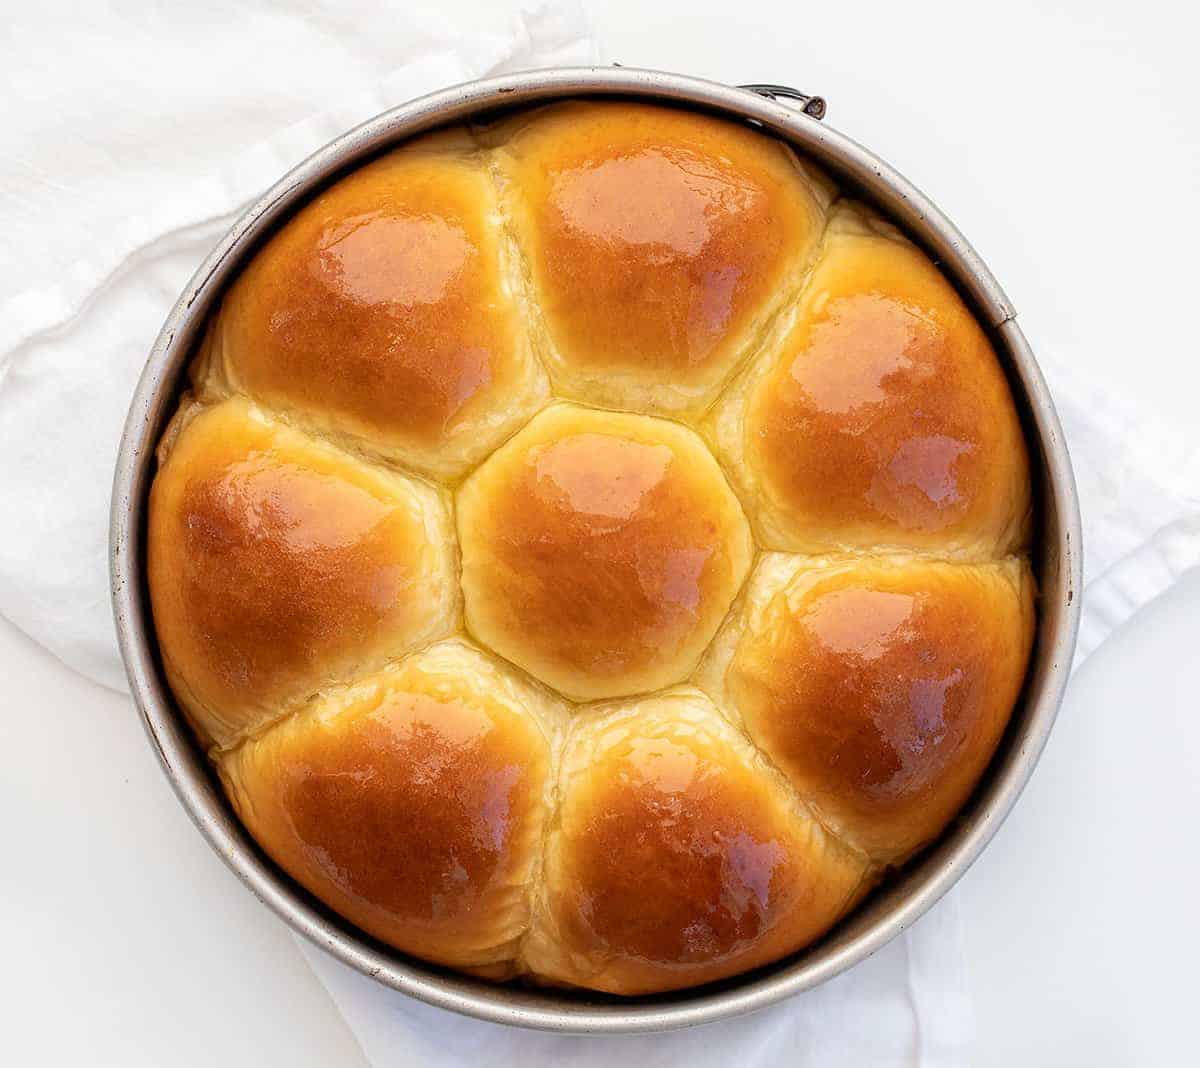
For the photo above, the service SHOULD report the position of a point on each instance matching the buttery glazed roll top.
(678, 858)
(882, 418)
(658, 242)
(600, 551)
(279, 566)
(383, 311)
(412, 803)
(593, 552)
(879, 686)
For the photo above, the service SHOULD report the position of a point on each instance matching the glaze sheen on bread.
(592, 552)
(658, 245)
(678, 858)
(879, 686)
(882, 418)
(600, 551)
(383, 312)
(280, 566)
(412, 802)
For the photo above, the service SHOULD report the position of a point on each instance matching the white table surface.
(1064, 139)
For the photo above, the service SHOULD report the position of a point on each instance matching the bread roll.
(600, 551)
(279, 566)
(384, 312)
(659, 242)
(592, 553)
(881, 419)
(412, 803)
(879, 686)
(677, 857)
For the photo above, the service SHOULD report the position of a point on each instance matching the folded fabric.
(131, 161)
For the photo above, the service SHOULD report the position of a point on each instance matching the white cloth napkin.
(115, 188)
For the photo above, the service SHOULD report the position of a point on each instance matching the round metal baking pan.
(903, 898)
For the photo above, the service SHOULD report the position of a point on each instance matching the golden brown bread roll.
(882, 419)
(590, 557)
(383, 311)
(412, 803)
(600, 551)
(879, 686)
(279, 566)
(659, 242)
(677, 857)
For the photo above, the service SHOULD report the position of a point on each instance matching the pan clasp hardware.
(813, 106)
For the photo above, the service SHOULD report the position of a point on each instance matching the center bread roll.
(600, 551)
(592, 551)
